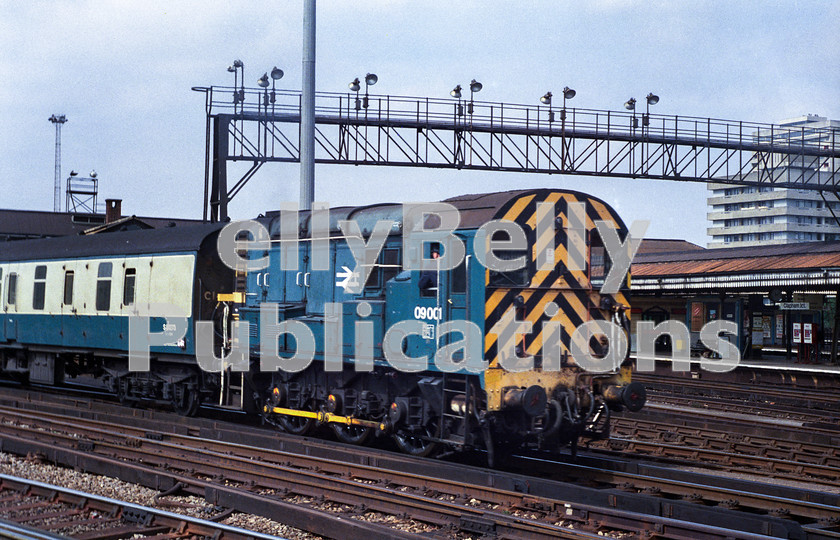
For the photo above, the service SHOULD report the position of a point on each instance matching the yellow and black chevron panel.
(569, 289)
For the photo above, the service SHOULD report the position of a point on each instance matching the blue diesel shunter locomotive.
(429, 408)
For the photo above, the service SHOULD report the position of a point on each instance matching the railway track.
(741, 407)
(227, 474)
(774, 431)
(814, 463)
(35, 510)
(449, 498)
(824, 401)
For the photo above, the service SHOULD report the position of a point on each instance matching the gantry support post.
(218, 190)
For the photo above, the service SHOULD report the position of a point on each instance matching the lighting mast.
(58, 120)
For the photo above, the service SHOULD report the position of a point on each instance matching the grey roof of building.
(40, 224)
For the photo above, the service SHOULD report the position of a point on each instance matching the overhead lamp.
(475, 86)
(652, 99)
(276, 75)
(630, 104)
(355, 86)
(93, 174)
(568, 93)
(546, 100)
(456, 92)
(263, 81)
(238, 93)
(74, 173)
(370, 80)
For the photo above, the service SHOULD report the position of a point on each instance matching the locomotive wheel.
(351, 434)
(296, 425)
(188, 403)
(414, 443)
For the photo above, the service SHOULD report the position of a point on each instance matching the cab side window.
(387, 267)
(459, 278)
(512, 278)
(391, 264)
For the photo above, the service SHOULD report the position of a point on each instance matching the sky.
(121, 71)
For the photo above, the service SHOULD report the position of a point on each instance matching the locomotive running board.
(323, 417)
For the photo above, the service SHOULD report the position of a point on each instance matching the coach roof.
(138, 242)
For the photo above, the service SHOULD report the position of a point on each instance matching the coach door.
(69, 281)
(11, 301)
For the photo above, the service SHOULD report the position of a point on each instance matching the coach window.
(68, 287)
(40, 287)
(11, 298)
(103, 287)
(128, 286)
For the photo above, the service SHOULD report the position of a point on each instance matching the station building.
(770, 292)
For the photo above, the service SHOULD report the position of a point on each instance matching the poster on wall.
(806, 333)
(797, 332)
(766, 326)
(757, 331)
(780, 326)
(698, 310)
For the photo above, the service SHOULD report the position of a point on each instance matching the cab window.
(599, 265)
(516, 278)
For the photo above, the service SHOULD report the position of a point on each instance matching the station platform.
(768, 362)
(780, 362)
